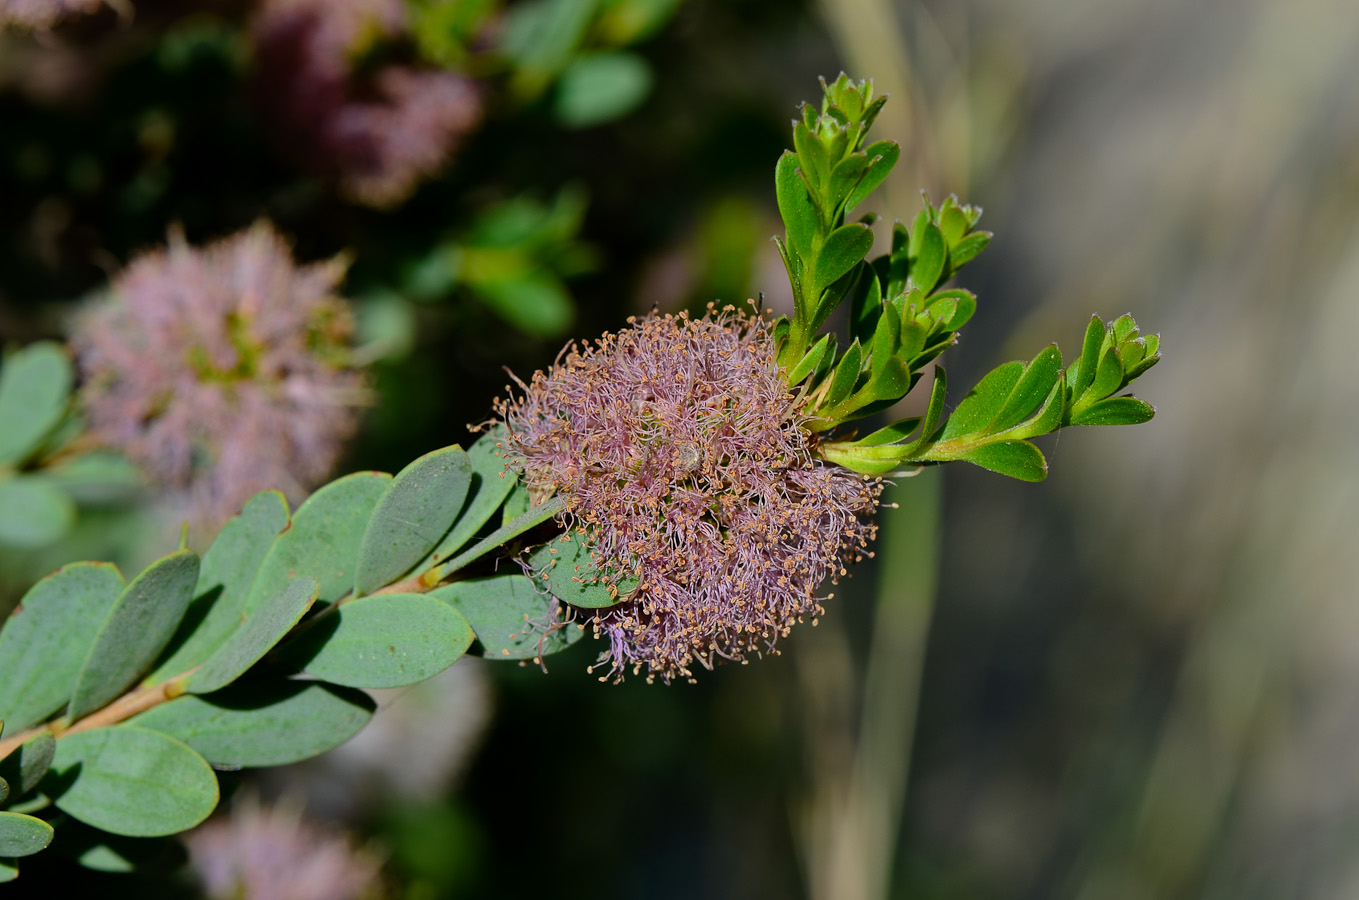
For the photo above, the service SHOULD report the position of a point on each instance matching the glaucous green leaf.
(34, 512)
(9, 870)
(600, 87)
(131, 781)
(46, 639)
(324, 540)
(263, 628)
(22, 835)
(489, 486)
(1017, 459)
(512, 618)
(28, 763)
(573, 576)
(263, 724)
(382, 641)
(411, 518)
(4, 791)
(225, 575)
(135, 631)
(98, 477)
(1115, 411)
(35, 384)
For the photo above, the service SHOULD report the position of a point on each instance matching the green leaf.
(574, 576)
(1049, 417)
(980, 407)
(28, 763)
(517, 505)
(227, 571)
(4, 791)
(952, 222)
(411, 518)
(1017, 459)
(132, 781)
(1108, 377)
(264, 628)
(8, 870)
(534, 302)
(810, 362)
(967, 250)
(47, 637)
(866, 306)
(97, 477)
(1032, 389)
(813, 157)
(324, 540)
(34, 386)
(844, 176)
(22, 835)
(269, 724)
(1089, 359)
(491, 483)
(511, 617)
(795, 206)
(886, 153)
(891, 434)
(1115, 411)
(843, 380)
(928, 264)
(381, 641)
(600, 87)
(934, 411)
(844, 249)
(33, 512)
(135, 631)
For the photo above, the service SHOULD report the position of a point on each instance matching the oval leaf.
(1017, 459)
(132, 781)
(416, 511)
(323, 541)
(512, 618)
(264, 628)
(928, 264)
(795, 205)
(263, 724)
(489, 487)
(1116, 411)
(135, 631)
(568, 567)
(34, 386)
(22, 835)
(844, 249)
(382, 641)
(47, 637)
(600, 87)
(225, 575)
(33, 511)
(25, 767)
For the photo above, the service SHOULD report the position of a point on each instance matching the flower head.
(682, 456)
(223, 370)
(261, 853)
(377, 134)
(42, 14)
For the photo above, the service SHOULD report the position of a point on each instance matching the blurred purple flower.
(682, 456)
(40, 14)
(223, 370)
(255, 853)
(376, 133)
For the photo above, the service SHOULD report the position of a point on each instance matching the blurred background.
(1138, 680)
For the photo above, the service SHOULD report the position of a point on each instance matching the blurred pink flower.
(377, 133)
(682, 456)
(43, 13)
(254, 853)
(223, 370)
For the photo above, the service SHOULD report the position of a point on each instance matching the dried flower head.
(254, 853)
(43, 14)
(223, 370)
(378, 133)
(682, 456)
